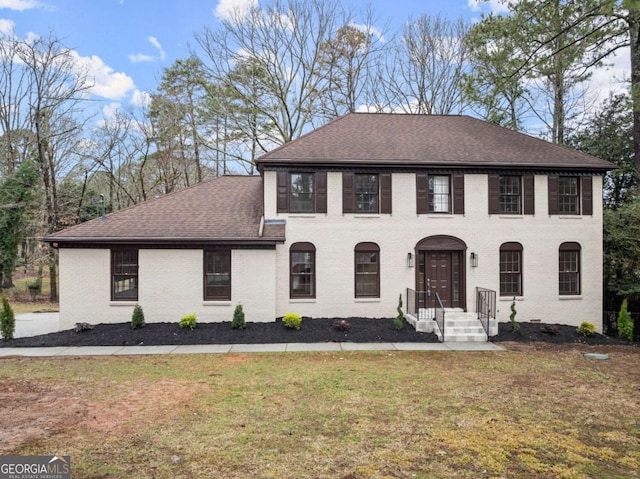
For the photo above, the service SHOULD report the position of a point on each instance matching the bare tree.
(56, 90)
(424, 73)
(283, 43)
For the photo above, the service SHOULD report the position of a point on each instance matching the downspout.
(261, 228)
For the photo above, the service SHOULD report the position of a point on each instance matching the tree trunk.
(53, 275)
(7, 280)
(634, 35)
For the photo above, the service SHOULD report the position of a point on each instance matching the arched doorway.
(441, 268)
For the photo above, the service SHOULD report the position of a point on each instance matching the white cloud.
(495, 6)
(613, 78)
(154, 41)
(140, 98)
(6, 27)
(370, 30)
(143, 57)
(106, 83)
(140, 58)
(228, 9)
(19, 5)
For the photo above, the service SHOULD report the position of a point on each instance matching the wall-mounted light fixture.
(409, 260)
(474, 260)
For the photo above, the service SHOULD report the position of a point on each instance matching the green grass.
(343, 415)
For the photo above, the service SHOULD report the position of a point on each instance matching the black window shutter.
(283, 192)
(458, 194)
(494, 194)
(385, 193)
(529, 198)
(554, 208)
(587, 195)
(422, 193)
(321, 192)
(347, 192)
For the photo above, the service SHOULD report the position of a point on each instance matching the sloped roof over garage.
(227, 209)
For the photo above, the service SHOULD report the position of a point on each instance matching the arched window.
(367, 270)
(511, 269)
(569, 269)
(302, 258)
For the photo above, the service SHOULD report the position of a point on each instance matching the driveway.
(33, 324)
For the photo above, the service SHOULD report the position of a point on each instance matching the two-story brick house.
(343, 220)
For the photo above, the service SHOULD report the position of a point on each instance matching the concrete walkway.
(243, 348)
(32, 324)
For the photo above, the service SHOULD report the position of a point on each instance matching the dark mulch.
(317, 330)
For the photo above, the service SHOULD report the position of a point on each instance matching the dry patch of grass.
(344, 415)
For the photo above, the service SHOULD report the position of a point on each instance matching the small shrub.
(625, 323)
(35, 288)
(82, 327)
(586, 328)
(238, 318)
(7, 320)
(512, 317)
(188, 321)
(137, 318)
(292, 320)
(341, 325)
(550, 329)
(398, 321)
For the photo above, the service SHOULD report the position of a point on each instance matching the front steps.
(459, 326)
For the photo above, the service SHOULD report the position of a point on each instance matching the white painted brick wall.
(171, 285)
(335, 236)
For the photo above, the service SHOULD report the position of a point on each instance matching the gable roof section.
(376, 139)
(227, 209)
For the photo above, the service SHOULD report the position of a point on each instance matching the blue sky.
(127, 43)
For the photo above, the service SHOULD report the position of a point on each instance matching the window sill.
(122, 303)
(569, 217)
(508, 299)
(438, 215)
(222, 302)
(302, 300)
(366, 300)
(569, 297)
(504, 216)
(302, 215)
(367, 215)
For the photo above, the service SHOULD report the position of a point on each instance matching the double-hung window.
(124, 272)
(367, 270)
(439, 194)
(568, 195)
(510, 199)
(511, 269)
(569, 269)
(302, 274)
(217, 275)
(302, 193)
(366, 192)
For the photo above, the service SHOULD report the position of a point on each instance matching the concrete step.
(465, 338)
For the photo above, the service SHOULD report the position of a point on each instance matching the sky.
(126, 44)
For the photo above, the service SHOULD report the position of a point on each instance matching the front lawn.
(527, 414)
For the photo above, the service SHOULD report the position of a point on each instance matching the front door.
(438, 274)
(439, 271)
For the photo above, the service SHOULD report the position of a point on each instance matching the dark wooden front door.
(439, 271)
(438, 274)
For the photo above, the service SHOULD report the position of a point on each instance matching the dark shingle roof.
(227, 208)
(426, 140)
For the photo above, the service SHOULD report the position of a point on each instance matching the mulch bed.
(317, 330)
